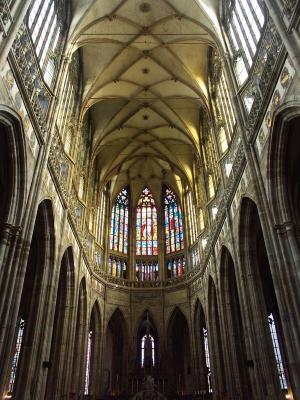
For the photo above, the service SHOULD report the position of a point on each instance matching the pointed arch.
(178, 336)
(203, 358)
(57, 376)
(239, 378)
(115, 355)
(283, 165)
(262, 298)
(34, 307)
(146, 224)
(92, 366)
(215, 345)
(80, 340)
(146, 325)
(119, 227)
(173, 222)
(13, 161)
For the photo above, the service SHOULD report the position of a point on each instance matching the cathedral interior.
(150, 209)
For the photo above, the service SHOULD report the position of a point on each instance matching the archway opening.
(115, 360)
(60, 342)
(180, 363)
(32, 316)
(267, 322)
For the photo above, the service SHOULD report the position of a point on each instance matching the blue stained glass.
(119, 223)
(173, 223)
(146, 224)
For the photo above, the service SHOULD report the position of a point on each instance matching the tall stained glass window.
(88, 363)
(207, 359)
(119, 223)
(16, 357)
(146, 225)
(277, 352)
(173, 223)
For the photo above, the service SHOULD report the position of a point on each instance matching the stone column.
(288, 237)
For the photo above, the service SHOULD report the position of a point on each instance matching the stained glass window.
(277, 352)
(173, 223)
(245, 24)
(88, 363)
(16, 357)
(176, 267)
(117, 267)
(191, 218)
(44, 25)
(146, 271)
(207, 359)
(119, 223)
(146, 225)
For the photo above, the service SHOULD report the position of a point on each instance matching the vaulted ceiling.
(145, 85)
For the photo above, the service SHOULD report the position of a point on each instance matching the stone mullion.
(132, 245)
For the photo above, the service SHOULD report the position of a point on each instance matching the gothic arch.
(178, 336)
(146, 320)
(234, 322)
(93, 359)
(215, 343)
(261, 299)
(62, 328)
(79, 353)
(13, 162)
(35, 302)
(115, 357)
(283, 165)
(202, 356)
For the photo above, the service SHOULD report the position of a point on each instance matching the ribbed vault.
(144, 85)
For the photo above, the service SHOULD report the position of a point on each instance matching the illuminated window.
(146, 271)
(211, 189)
(201, 220)
(207, 359)
(102, 215)
(16, 356)
(117, 267)
(147, 340)
(246, 20)
(43, 23)
(146, 225)
(191, 218)
(225, 110)
(88, 363)
(277, 352)
(119, 223)
(176, 267)
(173, 223)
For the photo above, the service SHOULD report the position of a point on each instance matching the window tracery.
(245, 23)
(146, 225)
(44, 23)
(119, 223)
(173, 223)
